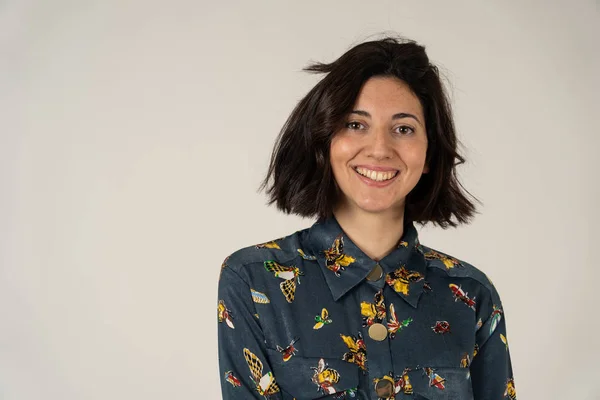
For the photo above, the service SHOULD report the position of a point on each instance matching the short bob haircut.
(300, 169)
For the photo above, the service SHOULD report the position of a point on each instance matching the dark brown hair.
(302, 178)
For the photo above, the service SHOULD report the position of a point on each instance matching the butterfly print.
(289, 274)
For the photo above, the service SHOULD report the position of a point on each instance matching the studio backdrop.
(134, 136)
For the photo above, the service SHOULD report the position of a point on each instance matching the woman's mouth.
(376, 178)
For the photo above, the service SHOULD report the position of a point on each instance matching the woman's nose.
(380, 143)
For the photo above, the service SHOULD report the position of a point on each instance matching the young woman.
(355, 307)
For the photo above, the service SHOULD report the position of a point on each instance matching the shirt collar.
(345, 265)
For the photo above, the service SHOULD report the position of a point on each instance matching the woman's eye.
(353, 125)
(406, 130)
(403, 129)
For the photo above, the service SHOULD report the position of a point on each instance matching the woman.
(355, 307)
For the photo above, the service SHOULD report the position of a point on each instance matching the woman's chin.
(378, 207)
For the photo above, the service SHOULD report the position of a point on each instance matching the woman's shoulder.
(281, 250)
(455, 267)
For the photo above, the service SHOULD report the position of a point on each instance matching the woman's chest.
(371, 342)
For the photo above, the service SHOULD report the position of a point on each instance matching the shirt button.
(377, 332)
(376, 273)
(384, 389)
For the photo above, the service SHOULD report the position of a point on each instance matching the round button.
(384, 389)
(377, 332)
(376, 273)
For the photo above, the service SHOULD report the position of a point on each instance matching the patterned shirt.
(311, 316)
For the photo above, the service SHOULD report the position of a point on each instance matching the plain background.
(134, 135)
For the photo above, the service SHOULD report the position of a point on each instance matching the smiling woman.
(355, 306)
(380, 147)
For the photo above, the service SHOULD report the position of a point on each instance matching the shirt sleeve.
(491, 369)
(243, 365)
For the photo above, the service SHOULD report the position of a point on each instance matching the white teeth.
(376, 175)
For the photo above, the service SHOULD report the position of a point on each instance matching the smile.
(377, 176)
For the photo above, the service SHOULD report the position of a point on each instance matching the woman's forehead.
(387, 95)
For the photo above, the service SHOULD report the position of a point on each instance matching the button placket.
(379, 360)
(377, 331)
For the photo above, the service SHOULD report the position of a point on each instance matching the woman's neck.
(376, 234)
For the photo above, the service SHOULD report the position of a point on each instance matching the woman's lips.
(381, 168)
(378, 184)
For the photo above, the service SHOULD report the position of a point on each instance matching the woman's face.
(378, 156)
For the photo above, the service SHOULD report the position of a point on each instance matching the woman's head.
(378, 154)
(380, 106)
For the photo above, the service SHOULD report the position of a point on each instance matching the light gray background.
(133, 136)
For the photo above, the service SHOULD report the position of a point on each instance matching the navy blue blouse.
(311, 316)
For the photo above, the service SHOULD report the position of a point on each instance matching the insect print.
(289, 351)
(448, 261)
(400, 279)
(510, 391)
(441, 327)
(393, 325)
(465, 361)
(460, 294)
(346, 394)
(223, 314)
(435, 379)
(322, 319)
(269, 245)
(306, 257)
(496, 317)
(475, 350)
(373, 313)
(265, 384)
(479, 324)
(335, 259)
(403, 384)
(223, 266)
(259, 297)
(357, 353)
(290, 275)
(403, 243)
(229, 377)
(426, 287)
(504, 340)
(325, 377)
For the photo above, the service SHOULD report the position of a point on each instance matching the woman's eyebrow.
(395, 116)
